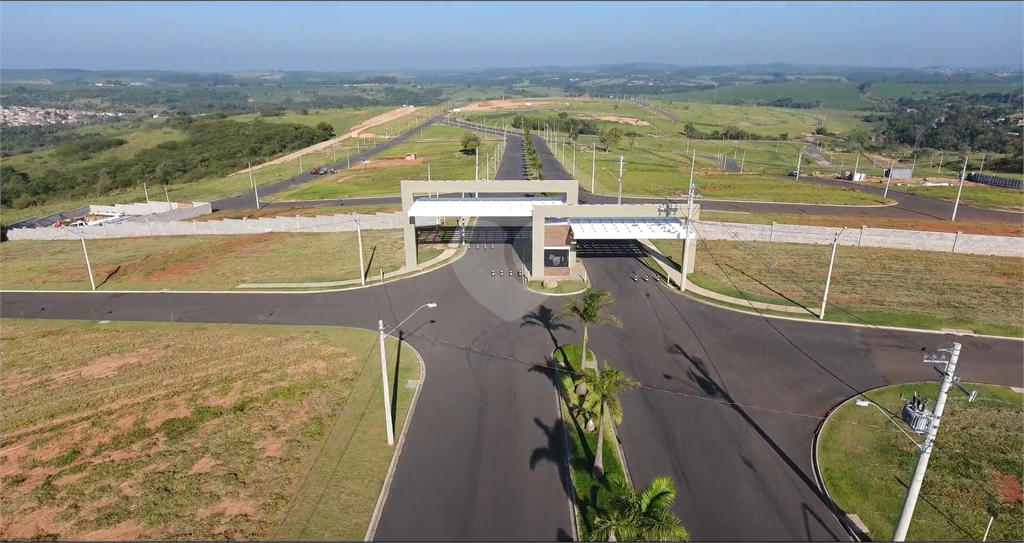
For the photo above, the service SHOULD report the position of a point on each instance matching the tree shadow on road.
(546, 318)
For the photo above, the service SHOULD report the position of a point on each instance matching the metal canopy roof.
(628, 228)
(478, 207)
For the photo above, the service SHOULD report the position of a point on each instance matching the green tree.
(603, 389)
(326, 128)
(609, 137)
(646, 516)
(471, 141)
(590, 310)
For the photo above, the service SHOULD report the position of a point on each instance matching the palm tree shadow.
(546, 318)
(555, 452)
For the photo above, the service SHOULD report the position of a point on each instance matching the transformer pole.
(903, 525)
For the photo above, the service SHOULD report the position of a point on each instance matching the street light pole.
(88, 266)
(620, 179)
(362, 267)
(903, 525)
(828, 278)
(963, 174)
(593, 167)
(889, 178)
(384, 371)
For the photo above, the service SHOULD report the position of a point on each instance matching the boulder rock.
(550, 283)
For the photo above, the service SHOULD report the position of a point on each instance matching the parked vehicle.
(792, 173)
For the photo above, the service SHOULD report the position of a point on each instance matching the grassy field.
(199, 262)
(659, 168)
(301, 211)
(897, 90)
(929, 225)
(592, 495)
(833, 94)
(342, 119)
(917, 289)
(974, 195)
(865, 462)
(127, 431)
(37, 164)
(445, 158)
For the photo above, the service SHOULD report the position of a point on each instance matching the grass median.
(564, 287)
(202, 262)
(161, 431)
(866, 462)
(894, 287)
(592, 495)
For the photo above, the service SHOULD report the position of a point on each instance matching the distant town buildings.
(29, 116)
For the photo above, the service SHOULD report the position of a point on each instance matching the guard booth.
(558, 222)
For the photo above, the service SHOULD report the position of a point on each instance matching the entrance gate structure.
(557, 222)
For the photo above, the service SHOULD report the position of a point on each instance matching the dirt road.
(369, 123)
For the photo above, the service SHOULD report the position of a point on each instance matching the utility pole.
(798, 159)
(256, 192)
(362, 267)
(428, 171)
(146, 189)
(828, 279)
(963, 174)
(889, 178)
(593, 167)
(855, 165)
(620, 179)
(168, 197)
(476, 156)
(940, 162)
(743, 161)
(903, 525)
(574, 160)
(982, 168)
(300, 164)
(686, 231)
(348, 163)
(387, 394)
(334, 150)
(912, 166)
(88, 266)
(251, 185)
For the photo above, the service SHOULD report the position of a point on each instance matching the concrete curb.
(844, 520)
(527, 287)
(568, 464)
(386, 488)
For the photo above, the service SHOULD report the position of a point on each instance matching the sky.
(372, 36)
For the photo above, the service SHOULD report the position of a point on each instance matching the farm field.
(865, 462)
(201, 262)
(917, 289)
(897, 90)
(159, 431)
(833, 94)
(342, 119)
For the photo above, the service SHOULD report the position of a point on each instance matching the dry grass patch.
(920, 289)
(189, 440)
(197, 262)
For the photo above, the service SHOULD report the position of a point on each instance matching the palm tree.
(646, 516)
(604, 388)
(590, 310)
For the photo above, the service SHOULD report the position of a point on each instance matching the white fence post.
(298, 225)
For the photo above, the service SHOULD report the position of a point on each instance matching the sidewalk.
(674, 276)
(453, 247)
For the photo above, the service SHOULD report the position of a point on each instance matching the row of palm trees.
(632, 516)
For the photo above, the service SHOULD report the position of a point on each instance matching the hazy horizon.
(463, 36)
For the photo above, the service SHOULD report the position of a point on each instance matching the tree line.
(212, 147)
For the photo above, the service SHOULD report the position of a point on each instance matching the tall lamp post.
(384, 371)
